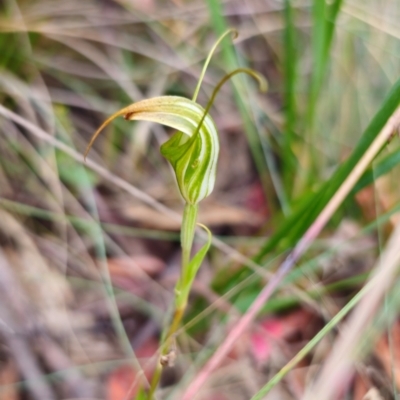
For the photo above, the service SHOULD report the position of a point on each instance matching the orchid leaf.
(184, 285)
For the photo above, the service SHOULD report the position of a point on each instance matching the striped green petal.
(192, 151)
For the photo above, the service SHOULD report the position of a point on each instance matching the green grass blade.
(332, 14)
(319, 51)
(294, 226)
(323, 25)
(220, 26)
(324, 21)
(381, 168)
(290, 73)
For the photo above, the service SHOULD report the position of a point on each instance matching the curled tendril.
(262, 82)
(235, 34)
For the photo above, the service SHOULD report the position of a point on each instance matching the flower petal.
(194, 156)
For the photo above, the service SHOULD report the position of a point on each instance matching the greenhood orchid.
(193, 153)
(193, 150)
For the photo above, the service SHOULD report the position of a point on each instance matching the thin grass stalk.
(324, 17)
(320, 335)
(312, 343)
(290, 71)
(349, 345)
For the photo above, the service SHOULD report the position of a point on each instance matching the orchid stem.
(182, 290)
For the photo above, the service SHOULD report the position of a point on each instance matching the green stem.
(182, 290)
(187, 232)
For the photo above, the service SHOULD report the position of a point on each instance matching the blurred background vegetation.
(89, 253)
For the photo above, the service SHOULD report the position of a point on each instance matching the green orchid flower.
(193, 153)
(193, 150)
